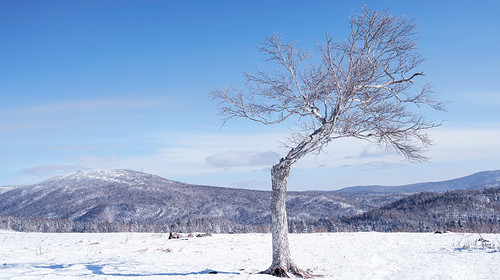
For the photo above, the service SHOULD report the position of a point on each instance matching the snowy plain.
(241, 256)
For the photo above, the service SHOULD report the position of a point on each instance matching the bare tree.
(358, 88)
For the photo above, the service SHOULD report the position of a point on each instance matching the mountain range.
(480, 180)
(125, 196)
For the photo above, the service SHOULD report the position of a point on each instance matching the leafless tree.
(358, 88)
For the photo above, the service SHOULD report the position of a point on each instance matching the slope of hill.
(7, 188)
(123, 196)
(480, 180)
(130, 196)
(463, 210)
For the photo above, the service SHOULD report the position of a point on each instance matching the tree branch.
(354, 92)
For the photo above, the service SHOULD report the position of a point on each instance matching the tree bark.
(282, 265)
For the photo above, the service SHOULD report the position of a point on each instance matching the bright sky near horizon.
(126, 84)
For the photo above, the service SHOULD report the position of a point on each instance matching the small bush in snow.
(477, 242)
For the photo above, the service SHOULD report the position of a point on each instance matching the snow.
(121, 176)
(241, 256)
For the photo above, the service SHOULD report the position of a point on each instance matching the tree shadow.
(97, 269)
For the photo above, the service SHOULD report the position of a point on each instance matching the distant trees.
(458, 211)
(33, 224)
(360, 88)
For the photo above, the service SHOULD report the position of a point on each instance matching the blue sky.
(126, 84)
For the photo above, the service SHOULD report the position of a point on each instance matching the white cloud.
(178, 155)
(465, 144)
(202, 157)
(371, 151)
(375, 151)
(374, 165)
(71, 114)
(91, 105)
(50, 169)
(229, 159)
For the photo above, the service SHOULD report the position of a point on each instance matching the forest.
(456, 211)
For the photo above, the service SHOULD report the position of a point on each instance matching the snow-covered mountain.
(480, 180)
(126, 196)
(120, 196)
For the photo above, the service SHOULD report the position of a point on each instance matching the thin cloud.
(66, 114)
(231, 159)
(375, 165)
(92, 105)
(49, 169)
(374, 151)
(371, 151)
(454, 144)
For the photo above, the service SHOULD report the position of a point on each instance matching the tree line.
(458, 211)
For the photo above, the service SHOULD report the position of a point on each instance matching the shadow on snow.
(97, 269)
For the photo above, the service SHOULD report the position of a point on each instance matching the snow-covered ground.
(242, 256)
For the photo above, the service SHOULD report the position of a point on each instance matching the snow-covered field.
(242, 256)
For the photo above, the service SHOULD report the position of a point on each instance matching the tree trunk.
(282, 265)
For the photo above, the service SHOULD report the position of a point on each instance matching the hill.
(125, 200)
(480, 180)
(126, 196)
(464, 210)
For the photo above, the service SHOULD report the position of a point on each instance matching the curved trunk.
(282, 264)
